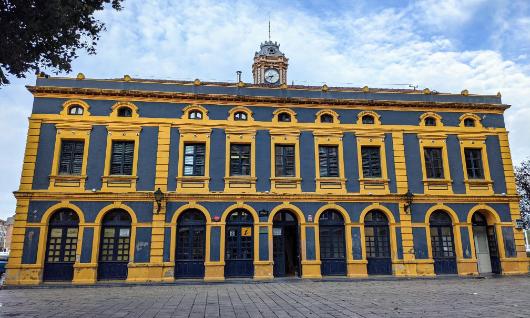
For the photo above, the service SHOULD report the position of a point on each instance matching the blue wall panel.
(44, 161)
(143, 210)
(413, 163)
(351, 168)
(215, 243)
(391, 168)
(173, 159)
(307, 161)
(217, 160)
(167, 244)
(420, 243)
(36, 209)
(96, 157)
(147, 159)
(31, 245)
(509, 241)
(495, 164)
(86, 251)
(310, 243)
(263, 243)
(91, 209)
(171, 208)
(357, 246)
(466, 242)
(399, 242)
(263, 161)
(309, 208)
(455, 164)
(143, 245)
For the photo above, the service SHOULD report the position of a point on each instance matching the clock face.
(272, 76)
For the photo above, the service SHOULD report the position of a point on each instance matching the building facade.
(144, 180)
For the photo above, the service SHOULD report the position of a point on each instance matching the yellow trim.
(283, 184)
(331, 185)
(194, 184)
(476, 186)
(372, 185)
(118, 105)
(121, 183)
(476, 118)
(186, 110)
(330, 112)
(435, 185)
(72, 102)
(437, 118)
(240, 184)
(284, 110)
(234, 110)
(69, 131)
(376, 116)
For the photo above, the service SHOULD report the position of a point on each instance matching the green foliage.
(38, 34)
(522, 178)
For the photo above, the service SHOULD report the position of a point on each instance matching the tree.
(38, 34)
(522, 179)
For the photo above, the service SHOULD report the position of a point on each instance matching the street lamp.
(409, 197)
(159, 195)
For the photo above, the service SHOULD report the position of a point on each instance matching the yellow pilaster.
(399, 162)
(30, 154)
(507, 163)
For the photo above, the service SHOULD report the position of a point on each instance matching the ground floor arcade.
(86, 242)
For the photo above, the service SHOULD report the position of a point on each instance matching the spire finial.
(269, 28)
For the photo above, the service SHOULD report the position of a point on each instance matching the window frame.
(276, 115)
(73, 153)
(241, 165)
(434, 167)
(195, 158)
(373, 185)
(122, 155)
(371, 175)
(482, 186)
(115, 109)
(435, 185)
(193, 135)
(331, 185)
(240, 183)
(473, 161)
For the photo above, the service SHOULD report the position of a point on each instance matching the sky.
(445, 45)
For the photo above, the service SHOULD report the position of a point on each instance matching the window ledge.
(192, 182)
(67, 181)
(285, 179)
(331, 184)
(119, 182)
(193, 178)
(286, 184)
(482, 186)
(240, 183)
(374, 185)
(437, 185)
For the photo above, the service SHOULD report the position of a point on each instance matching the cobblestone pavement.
(491, 297)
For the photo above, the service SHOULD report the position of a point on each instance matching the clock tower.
(270, 65)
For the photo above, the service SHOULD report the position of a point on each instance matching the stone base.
(311, 269)
(515, 266)
(23, 275)
(214, 271)
(404, 268)
(357, 269)
(263, 270)
(467, 267)
(145, 272)
(85, 273)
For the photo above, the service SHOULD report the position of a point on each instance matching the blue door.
(191, 238)
(442, 243)
(377, 237)
(285, 245)
(61, 246)
(239, 249)
(332, 243)
(479, 220)
(114, 245)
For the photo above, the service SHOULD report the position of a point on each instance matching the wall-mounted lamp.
(263, 212)
(409, 197)
(159, 196)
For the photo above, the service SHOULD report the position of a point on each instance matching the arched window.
(442, 243)
(239, 245)
(377, 237)
(191, 244)
(195, 114)
(75, 110)
(368, 120)
(430, 121)
(326, 118)
(240, 116)
(332, 243)
(469, 122)
(124, 112)
(284, 117)
(115, 245)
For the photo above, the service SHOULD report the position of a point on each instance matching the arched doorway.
(442, 243)
(61, 246)
(191, 242)
(239, 241)
(332, 243)
(286, 251)
(114, 245)
(377, 237)
(486, 250)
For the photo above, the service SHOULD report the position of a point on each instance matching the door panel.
(239, 261)
(60, 253)
(482, 249)
(443, 250)
(285, 250)
(378, 250)
(114, 253)
(494, 250)
(332, 250)
(189, 260)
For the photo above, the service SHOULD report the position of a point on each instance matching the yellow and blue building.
(153, 180)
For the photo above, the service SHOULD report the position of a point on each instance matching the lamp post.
(409, 197)
(159, 195)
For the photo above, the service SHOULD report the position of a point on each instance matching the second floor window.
(122, 158)
(328, 161)
(371, 160)
(75, 110)
(194, 159)
(285, 160)
(240, 160)
(434, 168)
(474, 163)
(71, 160)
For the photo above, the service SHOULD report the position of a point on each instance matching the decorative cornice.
(38, 91)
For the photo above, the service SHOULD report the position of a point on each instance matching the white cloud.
(210, 40)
